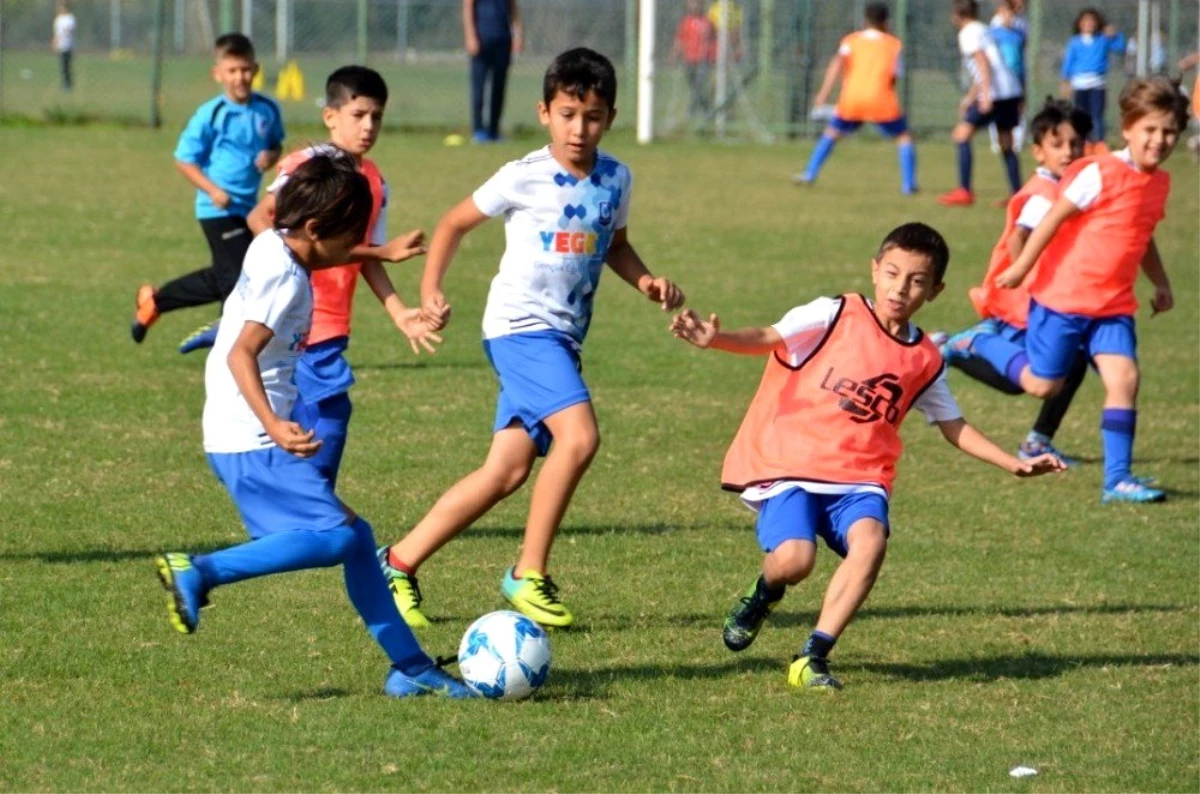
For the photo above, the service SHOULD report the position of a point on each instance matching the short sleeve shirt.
(974, 37)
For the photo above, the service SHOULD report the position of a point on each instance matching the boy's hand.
(220, 198)
(1163, 300)
(413, 325)
(292, 438)
(662, 291)
(406, 246)
(435, 312)
(1042, 464)
(266, 159)
(985, 104)
(1010, 278)
(688, 326)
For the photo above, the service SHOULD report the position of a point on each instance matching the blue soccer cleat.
(183, 581)
(1133, 489)
(202, 337)
(958, 346)
(432, 681)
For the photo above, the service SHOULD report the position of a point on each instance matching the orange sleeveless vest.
(868, 88)
(835, 417)
(1092, 263)
(1010, 305)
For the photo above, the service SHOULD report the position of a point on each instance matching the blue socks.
(819, 645)
(908, 167)
(1012, 167)
(1002, 355)
(964, 165)
(1117, 429)
(819, 156)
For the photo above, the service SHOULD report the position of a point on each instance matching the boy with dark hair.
(816, 453)
(565, 208)
(224, 150)
(355, 99)
(288, 507)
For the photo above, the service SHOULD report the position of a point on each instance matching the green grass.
(1014, 622)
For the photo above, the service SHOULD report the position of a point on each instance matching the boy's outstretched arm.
(450, 230)
(397, 249)
(832, 72)
(690, 327)
(243, 363)
(977, 445)
(1037, 242)
(409, 321)
(626, 263)
(1152, 266)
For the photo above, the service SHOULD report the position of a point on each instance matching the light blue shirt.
(223, 138)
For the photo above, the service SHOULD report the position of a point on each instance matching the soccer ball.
(504, 656)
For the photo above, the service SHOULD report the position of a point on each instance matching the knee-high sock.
(964, 165)
(985, 373)
(368, 591)
(820, 154)
(280, 552)
(1012, 169)
(1117, 428)
(1003, 355)
(907, 153)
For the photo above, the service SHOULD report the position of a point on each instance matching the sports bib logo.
(605, 213)
(869, 400)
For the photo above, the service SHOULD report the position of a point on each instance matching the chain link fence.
(764, 92)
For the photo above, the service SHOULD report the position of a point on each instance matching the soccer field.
(1015, 622)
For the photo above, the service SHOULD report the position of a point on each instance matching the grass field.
(1014, 622)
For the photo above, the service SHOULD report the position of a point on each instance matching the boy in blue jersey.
(224, 150)
(565, 208)
(287, 505)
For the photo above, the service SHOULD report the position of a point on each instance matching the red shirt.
(696, 39)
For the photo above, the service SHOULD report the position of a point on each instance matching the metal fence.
(417, 46)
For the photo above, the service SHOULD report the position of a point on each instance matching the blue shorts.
(891, 129)
(322, 370)
(540, 374)
(1005, 114)
(797, 514)
(1055, 339)
(275, 491)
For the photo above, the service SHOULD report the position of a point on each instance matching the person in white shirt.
(63, 41)
(994, 97)
(565, 209)
(288, 505)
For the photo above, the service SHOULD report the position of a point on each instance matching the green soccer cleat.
(183, 582)
(812, 672)
(536, 597)
(405, 592)
(747, 616)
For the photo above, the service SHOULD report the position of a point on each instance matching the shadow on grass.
(576, 684)
(791, 619)
(67, 557)
(1026, 666)
(656, 528)
(418, 364)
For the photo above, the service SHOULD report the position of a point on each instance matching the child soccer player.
(695, 44)
(288, 507)
(1058, 131)
(1010, 30)
(224, 150)
(994, 98)
(816, 454)
(1092, 242)
(355, 98)
(868, 62)
(1085, 66)
(565, 211)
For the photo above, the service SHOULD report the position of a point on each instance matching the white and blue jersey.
(223, 138)
(558, 229)
(273, 290)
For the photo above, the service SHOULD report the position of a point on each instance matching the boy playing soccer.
(224, 150)
(1058, 134)
(355, 98)
(816, 454)
(869, 63)
(289, 509)
(565, 209)
(994, 98)
(1095, 237)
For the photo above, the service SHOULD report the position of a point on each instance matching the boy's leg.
(478, 75)
(1051, 415)
(1113, 346)
(979, 369)
(229, 243)
(500, 57)
(906, 151)
(833, 132)
(228, 239)
(961, 136)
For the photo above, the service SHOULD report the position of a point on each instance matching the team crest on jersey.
(869, 400)
(605, 213)
(262, 125)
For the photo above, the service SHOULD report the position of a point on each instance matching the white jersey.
(273, 290)
(64, 32)
(557, 231)
(975, 37)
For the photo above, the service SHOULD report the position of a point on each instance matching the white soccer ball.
(504, 656)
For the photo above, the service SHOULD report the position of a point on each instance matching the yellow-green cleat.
(811, 672)
(405, 592)
(536, 596)
(185, 588)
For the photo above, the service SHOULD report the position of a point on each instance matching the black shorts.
(1005, 114)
